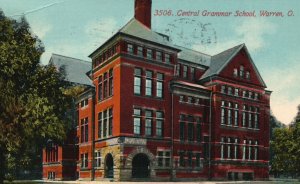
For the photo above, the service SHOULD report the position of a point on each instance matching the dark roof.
(139, 30)
(219, 61)
(76, 69)
(194, 56)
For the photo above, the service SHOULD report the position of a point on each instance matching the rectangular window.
(229, 90)
(167, 58)
(159, 123)
(110, 122)
(177, 70)
(99, 124)
(235, 148)
(140, 51)
(190, 131)
(229, 117)
(222, 116)
(250, 120)
(181, 159)
(100, 89)
(149, 54)
(84, 160)
(190, 159)
(223, 89)
(182, 129)
(244, 150)
(192, 70)
(244, 119)
(163, 158)
(222, 148)
(236, 92)
(256, 151)
(129, 48)
(228, 148)
(84, 103)
(250, 150)
(137, 121)
(111, 84)
(236, 118)
(148, 124)
(198, 160)
(159, 85)
(105, 85)
(158, 56)
(137, 81)
(84, 130)
(256, 124)
(198, 131)
(105, 123)
(185, 71)
(97, 159)
(149, 75)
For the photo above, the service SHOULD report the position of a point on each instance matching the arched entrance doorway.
(140, 166)
(109, 166)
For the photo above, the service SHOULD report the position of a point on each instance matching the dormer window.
(241, 71)
(248, 75)
(235, 72)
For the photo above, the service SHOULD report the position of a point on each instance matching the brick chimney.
(142, 11)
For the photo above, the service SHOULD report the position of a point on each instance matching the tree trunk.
(2, 165)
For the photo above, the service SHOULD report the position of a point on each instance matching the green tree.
(33, 102)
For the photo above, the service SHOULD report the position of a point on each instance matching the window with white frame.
(185, 71)
(84, 160)
(236, 92)
(84, 103)
(137, 121)
(164, 158)
(148, 123)
(235, 148)
(236, 114)
(244, 149)
(250, 150)
(229, 113)
(244, 116)
(235, 72)
(256, 151)
(159, 123)
(129, 48)
(242, 71)
(223, 113)
(97, 159)
(228, 147)
(137, 81)
(159, 85)
(149, 79)
(105, 119)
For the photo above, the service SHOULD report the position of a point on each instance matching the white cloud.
(40, 28)
(283, 80)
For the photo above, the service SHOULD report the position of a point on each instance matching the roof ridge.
(240, 45)
(71, 58)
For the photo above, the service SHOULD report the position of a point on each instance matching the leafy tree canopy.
(33, 98)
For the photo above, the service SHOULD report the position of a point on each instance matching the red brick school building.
(155, 111)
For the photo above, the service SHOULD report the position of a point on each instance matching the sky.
(76, 28)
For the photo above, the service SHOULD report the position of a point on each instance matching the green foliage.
(33, 99)
(286, 148)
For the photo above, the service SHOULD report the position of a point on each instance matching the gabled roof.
(194, 56)
(220, 61)
(76, 69)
